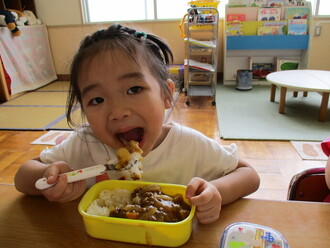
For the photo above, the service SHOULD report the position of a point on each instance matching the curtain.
(27, 58)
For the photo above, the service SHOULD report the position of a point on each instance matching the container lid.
(244, 234)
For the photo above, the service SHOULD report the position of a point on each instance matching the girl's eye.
(134, 90)
(96, 100)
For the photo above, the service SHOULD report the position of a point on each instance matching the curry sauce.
(150, 203)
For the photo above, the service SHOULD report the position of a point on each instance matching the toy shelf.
(201, 45)
(20, 5)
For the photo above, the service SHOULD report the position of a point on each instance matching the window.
(321, 7)
(129, 10)
(133, 10)
(112, 10)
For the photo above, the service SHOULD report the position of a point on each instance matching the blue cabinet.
(267, 42)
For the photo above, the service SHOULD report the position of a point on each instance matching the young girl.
(119, 78)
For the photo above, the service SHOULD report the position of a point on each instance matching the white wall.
(59, 12)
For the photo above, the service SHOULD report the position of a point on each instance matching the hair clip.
(140, 34)
(117, 26)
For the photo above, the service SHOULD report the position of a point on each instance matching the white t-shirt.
(184, 153)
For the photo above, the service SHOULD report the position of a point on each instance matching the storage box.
(170, 234)
(176, 74)
(204, 4)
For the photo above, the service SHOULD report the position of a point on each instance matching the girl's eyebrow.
(131, 75)
(88, 88)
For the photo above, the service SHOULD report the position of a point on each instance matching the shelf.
(200, 53)
(200, 90)
(200, 83)
(201, 47)
(20, 5)
(267, 42)
(198, 65)
(241, 51)
(202, 26)
(202, 43)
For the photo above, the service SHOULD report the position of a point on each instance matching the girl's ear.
(171, 87)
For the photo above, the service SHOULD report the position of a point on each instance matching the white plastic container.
(244, 234)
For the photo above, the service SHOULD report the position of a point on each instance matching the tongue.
(133, 134)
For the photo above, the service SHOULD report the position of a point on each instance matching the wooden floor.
(275, 161)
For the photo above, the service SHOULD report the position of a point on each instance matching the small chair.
(309, 185)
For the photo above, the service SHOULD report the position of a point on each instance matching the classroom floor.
(275, 161)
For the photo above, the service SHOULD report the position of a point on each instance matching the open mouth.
(133, 134)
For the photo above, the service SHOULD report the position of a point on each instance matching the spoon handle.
(74, 176)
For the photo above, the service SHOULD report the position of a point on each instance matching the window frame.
(317, 8)
(86, 18)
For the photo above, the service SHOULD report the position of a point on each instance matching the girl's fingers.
(207, 220)
(79, 189)
(74, 191)
(205, 207)
(207, 199)
(54, 170)
(51, 179)
(207, 195)
(209, 214)
(204, 198)
(64, 191)
(55, 192)
(194, 187)
(51, 174)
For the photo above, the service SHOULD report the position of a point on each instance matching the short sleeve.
(230, 158)
(76, 151)
(53, 154)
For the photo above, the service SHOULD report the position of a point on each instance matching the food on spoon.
(144, 203)
(130, 158)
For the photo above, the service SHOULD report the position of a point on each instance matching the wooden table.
(301, 80)
(34, 222)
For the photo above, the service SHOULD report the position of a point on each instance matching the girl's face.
(122, 102)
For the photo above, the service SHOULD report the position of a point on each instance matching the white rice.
(115, 198)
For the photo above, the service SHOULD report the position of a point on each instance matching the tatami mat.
(29, 118)
(36, 110)
(56, 86)
(38, 98)
(61, 124)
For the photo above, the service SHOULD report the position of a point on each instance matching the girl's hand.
(62, 191)
(207, 199)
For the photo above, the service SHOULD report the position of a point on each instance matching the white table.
(301, 80)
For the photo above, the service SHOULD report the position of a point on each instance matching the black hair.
(133, 43)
